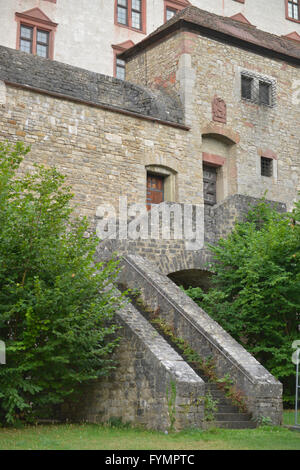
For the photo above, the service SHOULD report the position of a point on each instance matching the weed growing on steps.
(207, 367)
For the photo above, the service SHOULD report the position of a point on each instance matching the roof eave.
(184, 24)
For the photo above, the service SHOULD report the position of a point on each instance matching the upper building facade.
(91, 33)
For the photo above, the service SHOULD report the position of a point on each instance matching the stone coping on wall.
(62, 80)
(262, 391)
(161, 351)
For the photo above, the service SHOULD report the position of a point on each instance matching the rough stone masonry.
(182, 106)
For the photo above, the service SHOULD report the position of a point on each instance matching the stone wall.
(139, 389)
(263, 393)
(103, 153)
(199, 69)
(220, 219)
(55, 77)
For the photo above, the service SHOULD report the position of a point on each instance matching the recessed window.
(247, 85)
(120, 69)
(155, 189)
(293, 9)
(209, 185)
(258, 89)
(266, 165)
(130, 13)
(264, 93)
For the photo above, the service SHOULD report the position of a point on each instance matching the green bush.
(56, 305)
(255, 293)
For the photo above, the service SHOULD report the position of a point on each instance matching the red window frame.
(287, 11)
(129, 17)
(37, 24)
(118, 49)
(176, 5)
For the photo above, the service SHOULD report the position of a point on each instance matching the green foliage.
(210, 407)
(171, 401)
(56, 305)
(255, 294)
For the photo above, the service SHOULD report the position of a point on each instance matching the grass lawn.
(94, 437)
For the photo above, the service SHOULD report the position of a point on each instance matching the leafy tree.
(255, 293)
(56, 304)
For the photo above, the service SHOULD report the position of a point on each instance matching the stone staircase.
(261, 392)
(228, 416)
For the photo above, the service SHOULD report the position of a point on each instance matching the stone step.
(232, 417)
(216, 393)
(227, 409)
(233, 424)
(224, 402)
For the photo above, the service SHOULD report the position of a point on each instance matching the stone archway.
(192, 278)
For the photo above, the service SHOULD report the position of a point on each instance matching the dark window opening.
(266, 166)
(264, 93)
(247, 85)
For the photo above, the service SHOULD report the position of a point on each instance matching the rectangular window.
(136, 14)
(210, 185)
(293, 9)
(170, 12)
(155, 189)
(26, 38)
(34, 41)
(130, 13)
(247, 85)
(258, 89)
(122, 12)
(42, 43)
(264, 93)
(266, 166)
(120, 69)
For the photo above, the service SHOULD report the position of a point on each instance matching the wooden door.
(210, 184)
(155, 189)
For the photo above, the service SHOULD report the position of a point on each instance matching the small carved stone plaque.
(219, 110)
